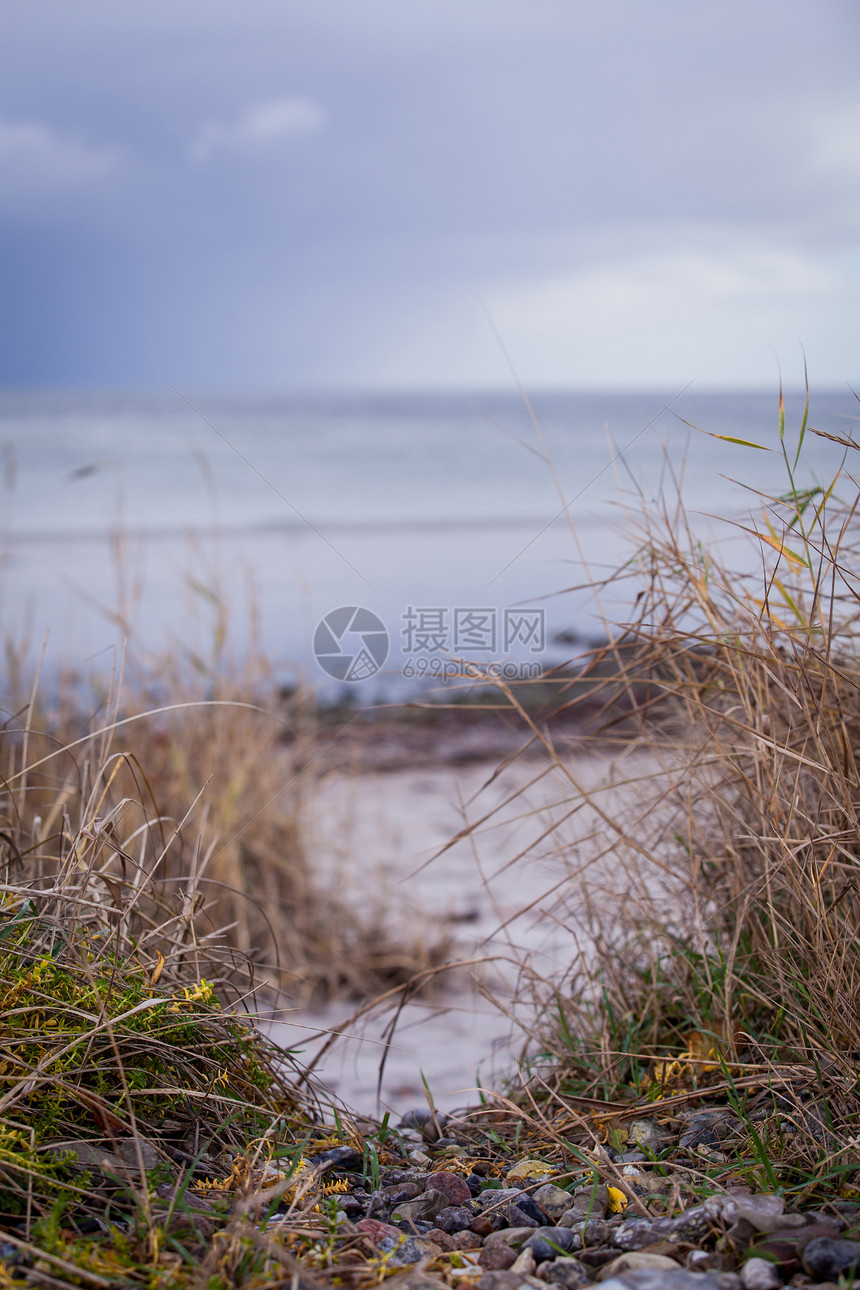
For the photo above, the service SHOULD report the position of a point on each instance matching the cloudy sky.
(277, 194)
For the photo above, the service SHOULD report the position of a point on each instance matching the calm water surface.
(281, 509)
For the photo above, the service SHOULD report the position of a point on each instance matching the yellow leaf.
(158, 969)
(617, 1200)
(783, 549)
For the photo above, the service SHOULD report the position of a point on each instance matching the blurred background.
(409, 306)
(272, 272)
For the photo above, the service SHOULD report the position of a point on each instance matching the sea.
(368, 544)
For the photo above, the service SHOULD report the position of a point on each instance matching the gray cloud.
(321, 191)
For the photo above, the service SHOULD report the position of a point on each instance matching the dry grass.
(730, 960)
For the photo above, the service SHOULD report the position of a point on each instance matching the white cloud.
(35, 160)
(663, 288)
(640, 318)
(259, 128)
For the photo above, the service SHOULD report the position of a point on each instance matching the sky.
(340, 194)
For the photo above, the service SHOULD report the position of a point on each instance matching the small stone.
(591, 1202)
(465, 1241)
(411, 1250)
(496, 1198)
(398, 1193)
(424, 1208)
(554, 1201)
(697, 1222)
(786, 1245)
(691, 1227)
(419, 1281)
(514, 1236)
(529, 1170)
(497, 1257)
(827, 1259)
(569, 1273)
(634, 1262)
(451, 1185)
(596, 1231)
(378, 1231)
(128, 1148)
(428, 1126)
(352, 1206)
(525, 1262)
(706, 1261)
(500, 1281)
(91, 1156)
(419, 1158)
(549, 1242)
(440, 1238)
(649, 1135)
(666, 1279)
(523, 1212)
(758, 1274)
(340, 1158)
(596, 1258)
(708, 1128)
(484, 1224)
(454, 1218)
(764, 1213)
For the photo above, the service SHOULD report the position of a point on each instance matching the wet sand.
(507, 894)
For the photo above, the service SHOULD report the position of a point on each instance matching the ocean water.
(155, 518)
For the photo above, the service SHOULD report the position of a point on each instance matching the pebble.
(827, 1259)
(509, 1236)
(502, 1281)
(340, 1158)
(706, 1261)
(484, 1224)
(411, 1250)
(765, 1213)
(590, 1202)
(569, 1273)
(525, 1262)
(420, 1281)
(667, 1279)
(377, 1230)
(463, 1241)
(425, 1123)
(648, 1134)
(529, 1170)
(497, 1197)
(758, 1274)
(549, 1242)
(593, 1232)
(497, 1257)
(786, 1245)
(451, 1185)
(424, 1208)
(634, 1261)
(554, 1201)
(454, 1218)
(523, 1212)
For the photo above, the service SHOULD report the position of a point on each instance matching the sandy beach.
(507, 894)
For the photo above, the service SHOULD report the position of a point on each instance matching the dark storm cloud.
(303, 192)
